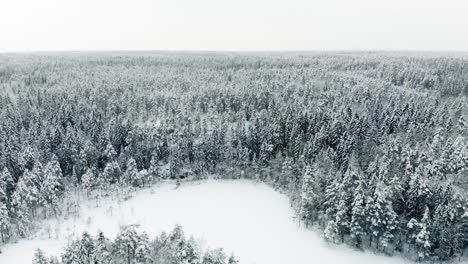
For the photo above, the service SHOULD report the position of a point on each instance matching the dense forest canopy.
(370, 147)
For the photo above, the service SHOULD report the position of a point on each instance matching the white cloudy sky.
(27, 25)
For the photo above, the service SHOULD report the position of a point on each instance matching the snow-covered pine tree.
(307, 210)
(215, 256)
(331, 231)
(144, 178)
(266, 152)
(23, 219)
(183, 251)
(111, 173)
(71, 254)
(26, 158)
(417, 194)
(232, 260)
(459, 157)
(154, 172)
(390, 227)
(331, 199)
(345, 199)
(376, 214)
(3, 195)
(5, 222)
(125, 244)
(342, 217)
(40, 258)
(142, 251)
(110, 152)
(24, 199)
(286, 172)
(130, 176)
(101, 250)
(445, 237)
(6, 186)
(27, 191)
(358, 214)
(86, 249)
(51, 185)
(88, 180)
(423, 242)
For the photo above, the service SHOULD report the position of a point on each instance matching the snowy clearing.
(260, 223)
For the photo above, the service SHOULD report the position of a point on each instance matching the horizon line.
(429, 51)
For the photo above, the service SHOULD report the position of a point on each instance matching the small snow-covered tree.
(102, 252)
(182, 251)
(23, 220)
(111, 173)
(126, 244)
(71, 254)
(144, 177)
(422, 239)
(154, 172)
(216, 256)
(131, 175)
(142, 250)
(286, 171)
(86, 249)
(88, 180)
(40, 258)
(232, 260)
(54, 260)
(331, 231)
(110, 152)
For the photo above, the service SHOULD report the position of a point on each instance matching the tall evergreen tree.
(5, 222)
(50, 190)
(423, 242)
(358, 214)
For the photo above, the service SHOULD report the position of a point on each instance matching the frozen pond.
(247, 218)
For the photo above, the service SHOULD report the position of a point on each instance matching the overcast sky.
(30, 25)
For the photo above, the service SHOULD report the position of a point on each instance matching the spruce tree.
(130, 176)
(358, 214)
(307, 210)
(154, 172)
(50, 190)
(5, 222)
(88, 180)
(342, 218)
(40, 258)
(102, 252)
(423, 242)
(331, 231)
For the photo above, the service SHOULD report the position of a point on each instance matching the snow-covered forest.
(130, 246)
(371, 148)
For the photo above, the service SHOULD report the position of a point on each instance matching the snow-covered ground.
(247, 218)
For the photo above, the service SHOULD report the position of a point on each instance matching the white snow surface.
(245, 217)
